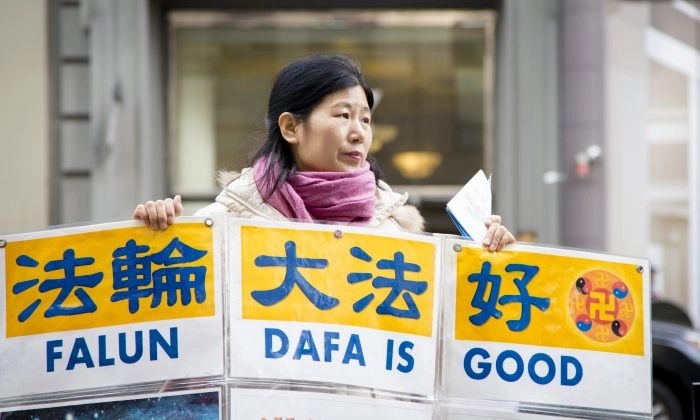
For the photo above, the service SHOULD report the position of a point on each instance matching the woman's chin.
(339, 166)
(353, 168)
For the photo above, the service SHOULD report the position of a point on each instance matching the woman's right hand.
(159, 214)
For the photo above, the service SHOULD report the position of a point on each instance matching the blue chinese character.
(488, 305)
(69, 283)
(524, 298)
(398, 284)
(292, 277)
(170, 280)
(132, 271)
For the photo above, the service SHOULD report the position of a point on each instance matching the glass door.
(431, 72)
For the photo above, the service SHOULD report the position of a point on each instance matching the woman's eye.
(366, 120)
(344, 115)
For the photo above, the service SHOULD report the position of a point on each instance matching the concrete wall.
(627, 98)
(582, 123)
(527, 115)
(24, 117)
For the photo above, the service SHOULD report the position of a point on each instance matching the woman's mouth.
(354, 155)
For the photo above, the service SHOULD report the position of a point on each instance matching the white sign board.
(315, 303)
(546, 326)
(109, 304)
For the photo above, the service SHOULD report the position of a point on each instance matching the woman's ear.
(288, 127)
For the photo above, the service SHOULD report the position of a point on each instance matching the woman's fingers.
(179, 208)
(169, 204)
(497, 236)
(140, 213)
(501, 238)
(159, 214)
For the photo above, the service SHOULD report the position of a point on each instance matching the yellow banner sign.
(108, 277)
(350, 279)
(549, 300)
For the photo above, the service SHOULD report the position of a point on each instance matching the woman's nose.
(357, 133)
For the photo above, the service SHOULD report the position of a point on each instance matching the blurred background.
(586, 113)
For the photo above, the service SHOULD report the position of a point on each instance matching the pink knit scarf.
(347, 197)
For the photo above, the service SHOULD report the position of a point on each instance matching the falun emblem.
(601, 306)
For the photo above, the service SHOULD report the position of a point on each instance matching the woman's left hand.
(497, 235)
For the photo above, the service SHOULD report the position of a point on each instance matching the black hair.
(297, 89)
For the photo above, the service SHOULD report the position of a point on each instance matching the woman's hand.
(160, 214)
(497, 235)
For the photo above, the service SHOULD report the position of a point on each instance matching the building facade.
(586, 113)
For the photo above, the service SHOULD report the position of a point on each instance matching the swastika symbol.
(602, 307)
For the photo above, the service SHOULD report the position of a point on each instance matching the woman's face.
(337, 134)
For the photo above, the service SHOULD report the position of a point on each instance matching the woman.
(314, 164)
